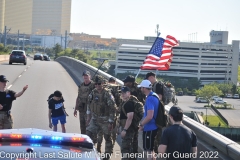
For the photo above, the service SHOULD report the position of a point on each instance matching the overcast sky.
(134, 19)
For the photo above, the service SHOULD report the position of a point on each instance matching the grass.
(214, 121)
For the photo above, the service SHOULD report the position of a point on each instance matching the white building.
(209, 62)
(48, 41)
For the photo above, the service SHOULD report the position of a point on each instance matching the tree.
(57, 49)
(178, 90)
(193, 83)
(208, 91)
(234, 89)
(185, 91)
(225, 88)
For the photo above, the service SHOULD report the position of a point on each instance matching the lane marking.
(9, 86)
(19, 76)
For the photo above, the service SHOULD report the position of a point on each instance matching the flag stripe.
(160, 55)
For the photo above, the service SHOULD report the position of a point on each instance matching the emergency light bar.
(38, 135)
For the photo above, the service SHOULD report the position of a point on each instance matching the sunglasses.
(98, 83)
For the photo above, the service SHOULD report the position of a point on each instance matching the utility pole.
(0, 37)
(61, 40)
(18, 41)
(5, 35)
(44, 44)
(157, 31)
(65, 47)
(23, 41)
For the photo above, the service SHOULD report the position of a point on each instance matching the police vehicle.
(31, 143)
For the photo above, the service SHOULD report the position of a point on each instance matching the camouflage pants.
(6, 122)
(135, 141)
(157, 140)
(82, 118)
(97, 125)
(128, 143)
(100, 136)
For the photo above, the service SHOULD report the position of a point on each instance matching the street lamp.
(206, 122)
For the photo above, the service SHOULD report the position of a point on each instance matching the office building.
(38, 17)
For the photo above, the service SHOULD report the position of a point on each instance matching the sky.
(134, 19)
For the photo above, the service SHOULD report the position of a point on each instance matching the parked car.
(215, 97)
(202, 100)
(229, 96)
(220, 101)
(38, 56)
(180, 93)
(236, 96)
(18, 56)
(46, 57)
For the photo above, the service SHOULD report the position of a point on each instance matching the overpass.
(211, 145)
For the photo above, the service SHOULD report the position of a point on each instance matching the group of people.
(107, 109)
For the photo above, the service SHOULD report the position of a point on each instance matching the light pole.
(206, 117)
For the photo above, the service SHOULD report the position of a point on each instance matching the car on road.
(18, 56)
(236, 96)
(215, 97)
(38, 56)
(46, 57)
(202, 100)
(32, 143)
(220, 101)
(229, 96)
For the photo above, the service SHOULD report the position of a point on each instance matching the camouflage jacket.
(83, 92)
(101, 104)
(115, 90)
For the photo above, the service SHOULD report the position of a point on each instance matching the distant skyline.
(134, 19)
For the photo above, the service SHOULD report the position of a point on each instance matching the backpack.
(161, 119)
(115, 90)
(138, 110)
(50, 97)
(169, 94)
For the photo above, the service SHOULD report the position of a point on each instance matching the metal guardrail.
(223, 144)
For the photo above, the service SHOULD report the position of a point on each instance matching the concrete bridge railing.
(214, 139)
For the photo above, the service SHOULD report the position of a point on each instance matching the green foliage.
(234, 89)
(1, 47)
(208, 91)
(224, 87)
(57, 50)
(178, 89)
(4, 50)
(185, 91)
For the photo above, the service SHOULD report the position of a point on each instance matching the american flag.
(160, 55)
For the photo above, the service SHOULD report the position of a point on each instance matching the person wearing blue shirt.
(148, 124)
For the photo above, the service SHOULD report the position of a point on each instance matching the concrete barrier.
(214, 139)
(4, 57)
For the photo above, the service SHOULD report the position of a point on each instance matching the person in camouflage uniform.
(101, 110)
(128, 128)
(129, 81)
(115, 90)
(84, 90)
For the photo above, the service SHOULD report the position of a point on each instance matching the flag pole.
(137, 73)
